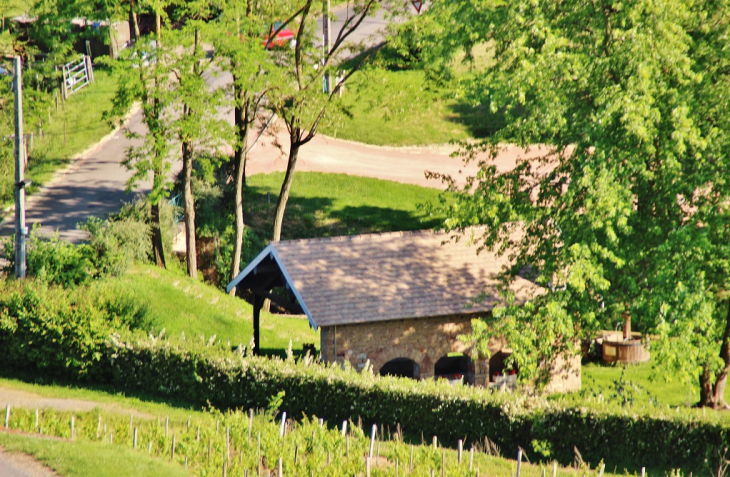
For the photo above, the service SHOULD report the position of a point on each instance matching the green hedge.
(85, 335)
(201, 375)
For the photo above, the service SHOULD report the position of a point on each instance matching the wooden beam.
(258, 302)
(281, 301)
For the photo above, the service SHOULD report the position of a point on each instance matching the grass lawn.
(396, 108)
(327, 205)
(642, 385)
(404, 108)
(81, 459)
(180, 304)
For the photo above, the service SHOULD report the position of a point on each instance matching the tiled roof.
(380, 277)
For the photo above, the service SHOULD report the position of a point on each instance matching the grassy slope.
(81, 459)
(397, 108)
(326, 205)
(183, 305)
(404, 108)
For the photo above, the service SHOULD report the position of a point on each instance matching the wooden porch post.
(258, 302)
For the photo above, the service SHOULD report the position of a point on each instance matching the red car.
(283, 38)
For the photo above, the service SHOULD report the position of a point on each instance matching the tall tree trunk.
(286, 186)
(240, 157)
(189, 205)
(713, 394)
(157, 236)
(133, 20)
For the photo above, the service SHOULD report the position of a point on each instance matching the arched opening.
(456, 368)
(499, 371)
(402, 367)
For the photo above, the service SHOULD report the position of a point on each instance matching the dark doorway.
(403, 367)
(455, 368)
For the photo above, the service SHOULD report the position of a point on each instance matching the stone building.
(397, 301)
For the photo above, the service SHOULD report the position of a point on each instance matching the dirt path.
(28, 400)
(14, 464)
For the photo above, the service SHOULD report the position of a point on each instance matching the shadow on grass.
(310, 217)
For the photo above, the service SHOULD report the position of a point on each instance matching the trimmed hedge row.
(228, 380)
(54, 332)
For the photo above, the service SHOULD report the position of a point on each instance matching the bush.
(53, 261)
(206, 375)
(60, 332)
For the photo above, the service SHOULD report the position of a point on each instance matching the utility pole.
(20, 228)
(327, 41)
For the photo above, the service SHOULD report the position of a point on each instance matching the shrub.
(207, 375)
(53, 261)
(60, 332)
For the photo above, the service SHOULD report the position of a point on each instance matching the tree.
(625, 211)
(196, 124)
(299, 101)
(145, 79)
(252, 71)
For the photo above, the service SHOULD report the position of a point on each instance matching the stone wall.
(425, 341)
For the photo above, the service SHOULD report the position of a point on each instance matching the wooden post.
(460, 447)
(189, 417)
(372, 440)
(258, 302)
(344, 428)
(7, 416)
(228, 444)
(435, 442)
(250, 423)
(603, 467)
(367, 466)
(471, 459)
(172, 451)
(555, 469)
(64, 88)
(410, 462)
(73, 428)
(282, 430)
(519, 462)
(134, 439)
(197, 434)
(37, 419)
(167, 425)
(149, 448)
(296, 454)
(443, 464)
(111, 437)
(643, 469)
(281, 468)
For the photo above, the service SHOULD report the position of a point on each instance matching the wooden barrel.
(625, 351)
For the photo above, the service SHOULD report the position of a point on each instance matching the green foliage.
(613, 214)
(57, 331)
(53, 261)
(121, 239)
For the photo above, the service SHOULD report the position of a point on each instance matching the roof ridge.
(363, 237)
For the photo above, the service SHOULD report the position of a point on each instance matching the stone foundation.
(425, 341)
